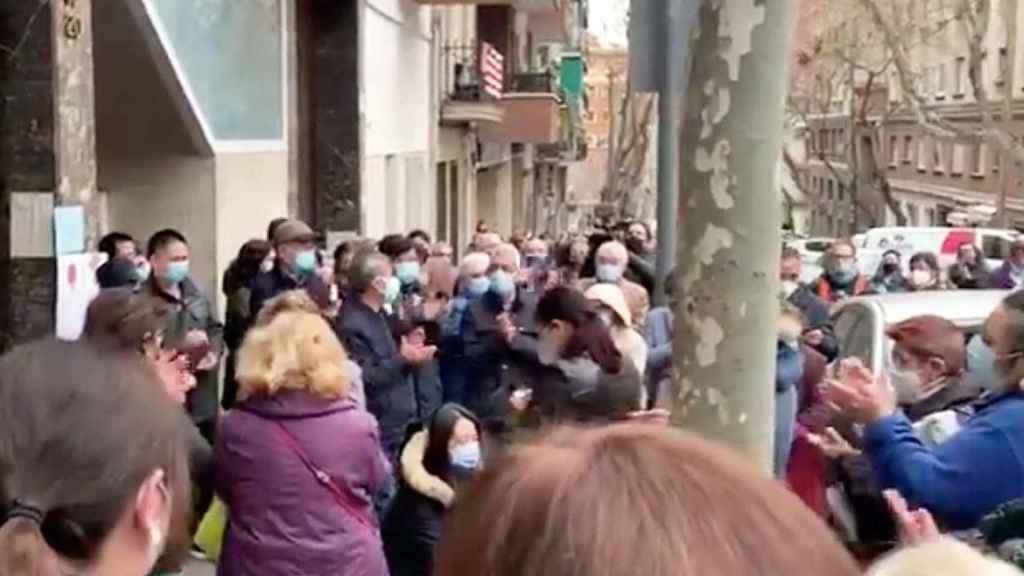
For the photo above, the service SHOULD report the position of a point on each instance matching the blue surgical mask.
(407, 272)
(981, 366)
(142, 271)
(609, 273)
(466, 457)
(393, 290)
(479, 286)
(305, 262)
(502, 284)
(176, 272)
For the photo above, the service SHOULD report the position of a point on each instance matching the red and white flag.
(492, 70)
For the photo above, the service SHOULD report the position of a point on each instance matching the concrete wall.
(398, 173)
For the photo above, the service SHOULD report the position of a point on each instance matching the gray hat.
(293, 231)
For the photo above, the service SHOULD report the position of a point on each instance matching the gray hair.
(367, 267)
(614, 249)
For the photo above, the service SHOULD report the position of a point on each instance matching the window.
(959, 154)
(842, 192)
(855, 329)
(959, 76)
(894, 150)
(940, 81)
(912, 215)
(1003, 60)
(997, 159)
(922, 154)
(978, 161)
(995, 247)
(929, 217)
(830, 190)
(938, 156)
(908, 149)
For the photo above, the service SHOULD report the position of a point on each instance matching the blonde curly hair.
(291, 347)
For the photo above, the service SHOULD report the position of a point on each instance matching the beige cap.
(611, 296)
(293, 231)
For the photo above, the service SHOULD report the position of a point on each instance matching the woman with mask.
(435, 461)
(584, 377)
(255, 257)
(925, 373)
(971, 270)
(614, 313)
(95, 464)
(889, 279)
(969, 475)
(925, 273)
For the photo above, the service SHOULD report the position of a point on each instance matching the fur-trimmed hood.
(416, 475)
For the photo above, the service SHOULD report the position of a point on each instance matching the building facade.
(935, 179)
(363, 117)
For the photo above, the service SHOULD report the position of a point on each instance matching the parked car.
(861, 323)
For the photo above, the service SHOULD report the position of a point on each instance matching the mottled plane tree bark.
(729, 224)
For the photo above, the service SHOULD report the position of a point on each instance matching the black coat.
(390, 396)
(268, 285)
(411, 530)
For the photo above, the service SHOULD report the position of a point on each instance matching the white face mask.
(921, 278)
(907, 385)
(789, 287)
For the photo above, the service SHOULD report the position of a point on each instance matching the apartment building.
(935, 179)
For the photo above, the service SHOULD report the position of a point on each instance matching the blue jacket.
(963, 479)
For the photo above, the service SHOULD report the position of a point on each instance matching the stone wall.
(27, 161)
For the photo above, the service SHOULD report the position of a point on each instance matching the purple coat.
(282, 521)
(1002, 279)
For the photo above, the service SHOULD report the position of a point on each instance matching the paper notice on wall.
(76, 287)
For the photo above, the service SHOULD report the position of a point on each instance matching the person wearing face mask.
(254, 258)
(971, 271)
(406, 263)
(611, 307)
(571, 258)
(925, 274)
(363, 327)
(973, 472)
(841, 279)
(117, 502)
(436, 461)
(497, 328)
(295, 268)
(581, 377)
(190, 325)
(926, 375)
(472, 284)
(610, 262)
(889, 279)
(1010, 275)
(818, 332)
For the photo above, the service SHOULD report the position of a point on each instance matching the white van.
(993, 243)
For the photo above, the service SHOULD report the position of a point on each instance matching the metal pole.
(612, 168)
(671, 55)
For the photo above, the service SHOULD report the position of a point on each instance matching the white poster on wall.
(76, 287)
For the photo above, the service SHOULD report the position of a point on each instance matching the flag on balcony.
(492, 70)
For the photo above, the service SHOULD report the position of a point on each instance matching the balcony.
(464, 101)
(532, 111)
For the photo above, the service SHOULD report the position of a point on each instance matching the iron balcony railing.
(461, 80)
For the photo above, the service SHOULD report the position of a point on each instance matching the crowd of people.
(385, 409)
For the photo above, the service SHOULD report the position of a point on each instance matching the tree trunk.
(729, 229)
